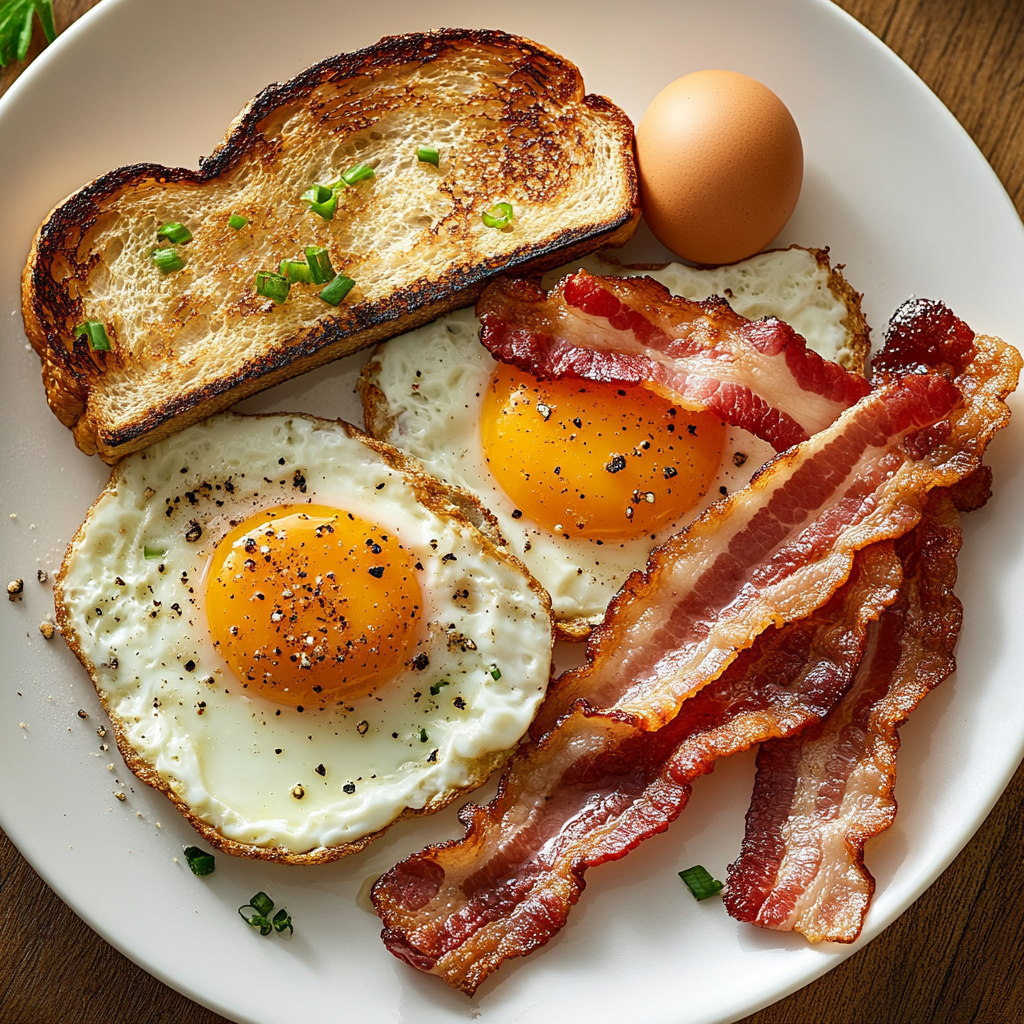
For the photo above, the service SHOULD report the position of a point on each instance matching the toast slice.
(510, 123)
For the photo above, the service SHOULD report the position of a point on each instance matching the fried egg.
(579, 514)
(299, 636)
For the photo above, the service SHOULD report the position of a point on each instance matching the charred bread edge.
(442, 499)
(412, 307)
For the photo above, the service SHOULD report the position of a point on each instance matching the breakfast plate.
(905, 201)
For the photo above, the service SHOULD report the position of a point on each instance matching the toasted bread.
(511, 123)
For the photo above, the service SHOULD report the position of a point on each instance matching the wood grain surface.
(956, 956)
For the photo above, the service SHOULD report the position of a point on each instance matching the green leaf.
(263, 903)
(255, 919)
(16, 27)
(700, 883)
(201, 862)
(282, 920)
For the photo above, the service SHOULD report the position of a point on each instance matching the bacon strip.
(597, 786)
(759, 375)
(820, 796)
(591, 789)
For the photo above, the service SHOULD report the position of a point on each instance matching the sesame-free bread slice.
(511, 123)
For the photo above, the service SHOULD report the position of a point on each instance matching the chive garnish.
(96, 332)
(255, 920)
(152, 554)
(428, 155)
(495, 672)
(297, 271)
(320, 269)
(436, 688)
(263, 903)
(174, 232)
(272, 286)
(337, 290)
(167, 260)
(322, 200)
(500, 215)
(423, 736)
(361, 172)
(700, 883)
(236, 221)
(200, 862)
(282, 920)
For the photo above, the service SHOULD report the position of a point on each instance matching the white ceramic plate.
(904, 199)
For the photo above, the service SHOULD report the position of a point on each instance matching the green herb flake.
(321, 199)
(96, 332)
(16, 18)
(199, 861)
(174, 232)
(500, 216)
(436, 688)
(297, 271)
(167, 260)
(236, 221)
(360, 172)
(254, 919)
(428, 155)
(337, 290)
(262, 903)
(423, 736)
(152, 555)
(283, 920)
(700, 883)
(495, 672)
(272, 286)
(320, 269)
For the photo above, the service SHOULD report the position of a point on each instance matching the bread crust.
(86, 389)
(442, 499)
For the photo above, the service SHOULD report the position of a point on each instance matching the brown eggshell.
(721, 165)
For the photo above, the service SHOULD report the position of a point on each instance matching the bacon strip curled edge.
(584, 792)
(759, 375)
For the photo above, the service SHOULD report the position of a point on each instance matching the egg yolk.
(311, 605)
(594, 460)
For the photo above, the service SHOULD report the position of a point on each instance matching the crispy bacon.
(759, 375)
(597, 786)
(593, 786)
(821, 795)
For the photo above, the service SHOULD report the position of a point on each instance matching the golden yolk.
(311, 605)
(594, 460)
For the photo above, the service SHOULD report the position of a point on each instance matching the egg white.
(259, 777)
(422, 393)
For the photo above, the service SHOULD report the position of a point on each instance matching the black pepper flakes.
(420, 662)
(362, 727)
(669, 471)
(349, 787)
(299, 481)
(617, 464)
(320, 770)
(376, 571)
(190, 665)
(194, 532)
(517, 513)
(14, 589)
(738, 458)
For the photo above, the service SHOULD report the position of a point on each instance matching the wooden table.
(956, 955)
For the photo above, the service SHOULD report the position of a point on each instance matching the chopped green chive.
(320, 269)
(262, 903)
(236, 221)
(428, 155)
(152, 554)
(255, 920)
(361, 172)
(436, 688)
(322, 200)
(174, 232)
(423, 736)
(282, 920)
(272, 286)
(700, 883)
(167, 260)
(200, 862)
(495, 672)
(96, 332)
(297, 271)
(500, 215)
(337, 290)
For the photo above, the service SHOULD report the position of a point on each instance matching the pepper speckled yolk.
(311, 605)
(594, 460)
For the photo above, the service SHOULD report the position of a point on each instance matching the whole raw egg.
(721, 165)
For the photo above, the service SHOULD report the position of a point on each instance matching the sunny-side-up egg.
(299, 636)
(550, 459)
